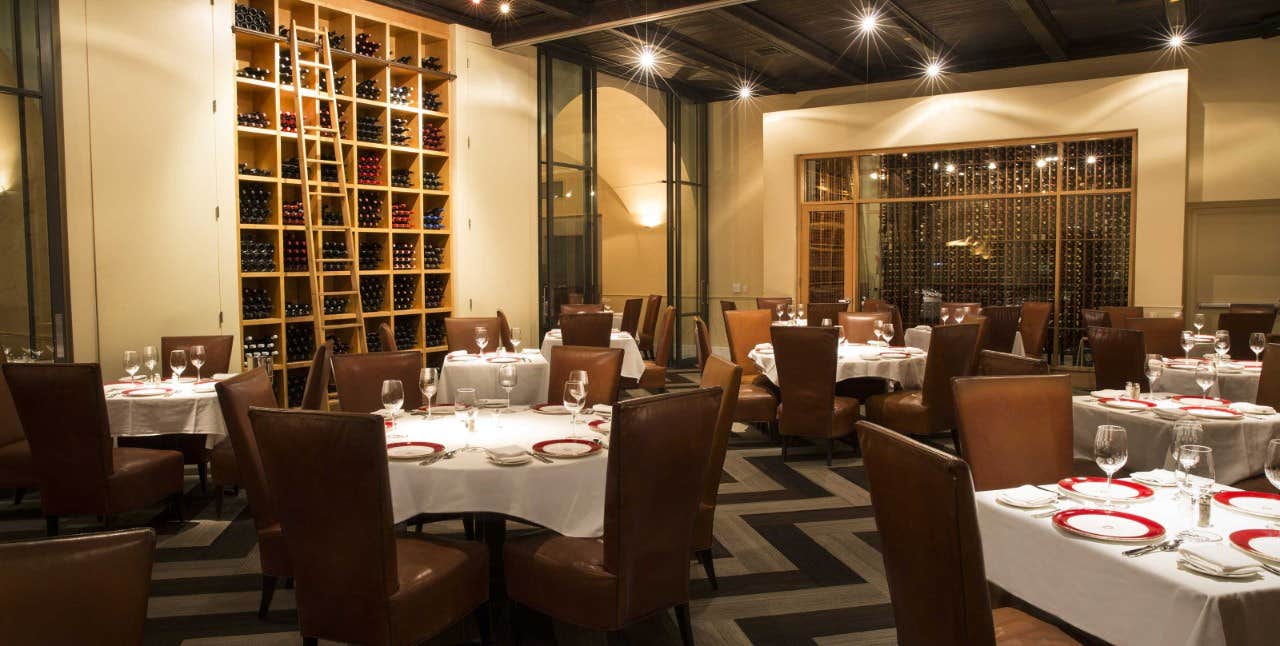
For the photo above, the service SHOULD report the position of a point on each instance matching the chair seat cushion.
(441, 581)
(563, 577)
(142, 477)
(1017, 628)
(654, 377)
(844, 415)
(755, 404)
(16, 467)
(223, 465)
(903, 411)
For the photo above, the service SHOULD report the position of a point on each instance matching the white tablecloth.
(916, 337)
(632, 360)
(184, 411)
(850, 363)
(1239, 446)
(1128, 601)
(532, 374)
(1237, 386)
(566, 496)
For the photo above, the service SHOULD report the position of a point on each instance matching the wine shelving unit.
(393, 102)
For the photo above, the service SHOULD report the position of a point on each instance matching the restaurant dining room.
(317, 317)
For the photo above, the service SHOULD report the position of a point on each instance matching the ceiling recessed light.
(1176, 40)
(648, 59)
(504, 8)
(745, 92)
(868, 22)
(933, 69)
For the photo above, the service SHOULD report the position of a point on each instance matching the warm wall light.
(1176, 40)
(1090, 160)
(651, 216)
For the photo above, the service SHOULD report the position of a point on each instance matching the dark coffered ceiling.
(708, 49)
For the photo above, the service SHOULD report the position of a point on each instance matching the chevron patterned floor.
(796, 556)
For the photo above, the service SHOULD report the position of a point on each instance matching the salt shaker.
(1132, 390)
(1203, 510)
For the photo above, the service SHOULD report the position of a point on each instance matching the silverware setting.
(1270, 568)
(1167, 546)
(539, 456)
(447, 455)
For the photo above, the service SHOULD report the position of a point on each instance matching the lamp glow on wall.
(652, 216)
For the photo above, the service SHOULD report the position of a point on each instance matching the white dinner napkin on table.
(1218, 558)
(1100, 394)
(603, 410)
(458, 353)
(509, 453)
(1028, 496)
(926, 328)
(1163, 476)
(1252, 409)
(1169, 413)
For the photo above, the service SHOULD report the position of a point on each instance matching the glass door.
(687, 226)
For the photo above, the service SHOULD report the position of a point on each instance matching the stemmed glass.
(581, 376)
(150, 359)
(1188, 342)
(1196, 462)
(1221, 343)
(507, 379)
(800, 312)
(886, 332)
(198, 356)
(428, 379)
(1197, 322)
(1184, 432)
(604, 305)
(482, 338)
(959, 314)
(877, 328)
(1257, 343)
(1110, 451)
(464, 407)
(392, 399)
(575, 395)
(1154, 370)
(782, 310)
(791, 313)
(177, 363)
(131, 363)
(1206, 377)
(944, 313)
(515, 339)
(1272, 466)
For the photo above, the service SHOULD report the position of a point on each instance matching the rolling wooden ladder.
(315, 193)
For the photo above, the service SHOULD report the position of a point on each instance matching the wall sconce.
(651, 217)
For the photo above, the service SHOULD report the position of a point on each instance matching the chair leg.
(268, 590)
(51, 525)
(955, 441)
(686, 628)
(482, 616)
(18, 494)
(177, 506)
(203, 470)
(469, 526)
(709, 566)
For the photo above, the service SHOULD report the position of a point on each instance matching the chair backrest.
(984, 330)
(923, 502)
(1161, 336)
(1035, 326)
(806, 361)
(344, 564)
(1002, 326)
(728, 377)
(1118, 356)
(1252, 308)
(1095, 318)
(771, 303)
(1240, 325)
(992, 363)
(974, 308)
(726, 306)
(84, 589)
(604, 372)
(504, 332)
(315, 393)
(703, 339)
(460, 332)
(587, 328)
(745, 329)
(631, 316)
(359, 379)
(580, 308)
(1120, 314)
(816, 312)
(663, 336)
(386, 338)
(236, 396)
(658, 457)
(651, 309)
(10, 425)
(1269, 382)
(63, 411)
(952, 349)
(895, 317)
(217, 353)
(860, 327)
(1015, 430)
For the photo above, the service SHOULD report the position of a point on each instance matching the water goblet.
(482, 338)
(1206, 377)
(1197, 322)
(198, 355)
(1221, 343)
(131, 363)
(515, 339)
(1188, 341)
(392, 399)
(177, 364)
(1154, 370)
(1257, 343)
(1196, 461)
(575, 395)
(428, 380)
(1110, 452)
(150, 358)
(507, 379)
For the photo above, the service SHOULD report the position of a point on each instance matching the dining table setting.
(904, 365)
(632, 359)
(520, 377)
(137, 406)
(920, 336)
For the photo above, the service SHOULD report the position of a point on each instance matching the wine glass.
(800, 312)
(515, 339)
(482, 338)
(886, 331)
(507, 379)
(1154, 370)
(1206, 377)
(150, 358)
(1184, 432)
(392, 399)
(575, 395)
(959, 314)
(428, 379)
(604, 305)
(1188, 342)
(1196, 461)
(1257, 343)
(1272, 466)
(1110, 451)
(1221, 343)
(944, 313)
(177, 364)
(1197, 322)
(580, 375)
(464, 407)
(791, 312)
(876, 328)
(131, 363)
(198, 355)
(781, 311)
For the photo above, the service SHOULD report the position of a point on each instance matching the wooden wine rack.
(271, 149)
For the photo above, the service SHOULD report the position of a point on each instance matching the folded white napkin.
(458, 353)
(1028, 496)
(602, 409)
(1252, 409)
(1162, 476)
(873, 355)
(505, 453)
(764, 346)
(1219, 558)
(926, 328)
(1107, 393)
(222, 375)
(1169, 413)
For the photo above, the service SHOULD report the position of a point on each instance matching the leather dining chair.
(829, 311)
(355, 579)
(757, 403)
(504, 332)
(895, 317)
(604, 372)
(806, 360)
(460, 333)
(1252, 308)
(984, 330)
(63, 410)
(771, 303)
(651, 309)
(1002, 326)
(994, 364)
(631, 316)
(1162, 336)
(860, 327)
(1239, 325)
(1014, 430)
(974, 308)
(657, 466)
(17, 469)
(1095, 318)
(726, 306)
(315, 392)
(235, 397)
(932, 549)
(1269, 380)
(83, 589)
(580, 308)
(1118, 357)
(726, 376)
(592, 329)
(703, 339)
(1119, 315)
(359, 378)
(1035, 327)
(931, 409)
(386, 338)
(655, 370)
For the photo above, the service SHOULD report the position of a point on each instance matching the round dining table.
(632, 360)
(462, 370)
(920, 336)
(903, 365)
(166, 408)
(1238, 381)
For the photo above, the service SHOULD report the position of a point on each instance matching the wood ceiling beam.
(435, 12)
(602, 15)
(671, 44)
(1039, 22)
(917, 36)
(564, 9)
(783, 37)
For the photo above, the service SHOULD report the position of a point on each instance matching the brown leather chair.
(504, 332)
(757, 403)
(726, 306)
(1240, 325)
(1005, 364)
(315, 393)
(1159, 336)
(923, 501)
(1120, 315)
(860, 327)
(1095, 318)
(1118, 357)
(895, 317)
(356, 581)
(931, 409)
(604, 372)
(17, 469)
(703, 340)
(631, 316)
(359, 378)
(806, 360)
(386, 338)
(1014, 430)
(984, 330)
(1035, 327)
(655, 371)
(645, 340)
(728, 377)
(1252, 308)
(1269, 381)
(461, 333)
(771, 303)
(580, 308)
(641, 565)
(85, 589)
(235, 397)
(592, 329)
(974, 309)
(1002, 326)
(64, 413)
(816, 312)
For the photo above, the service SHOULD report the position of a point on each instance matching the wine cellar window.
(999, 223)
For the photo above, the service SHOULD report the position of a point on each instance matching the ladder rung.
(339, 326)
(326, 162)
(307, 63)
(320, 129)
(306, 29)
(324, 194)
(342, 293)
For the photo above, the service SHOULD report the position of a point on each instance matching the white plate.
(1124, 404)
(1267, 548)
(552, 409)
(148, 392)
(1205, 413)
(1268, 507)
(1098, 491)
(409, 452)
(566, 449)
(1110, 526)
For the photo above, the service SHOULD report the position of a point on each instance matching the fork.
(1270, 568)
(1167, 546)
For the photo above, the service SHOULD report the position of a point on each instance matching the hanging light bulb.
(868, 22)
(745, 91)
(648, 59)
(504, 8)
(933, 70)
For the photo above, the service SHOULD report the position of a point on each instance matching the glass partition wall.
(999, 223)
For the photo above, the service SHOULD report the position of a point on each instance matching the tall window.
(33, 299)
